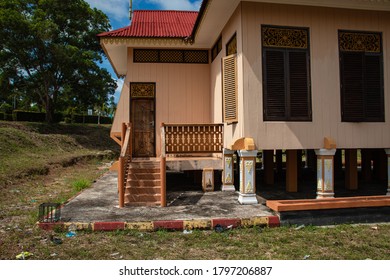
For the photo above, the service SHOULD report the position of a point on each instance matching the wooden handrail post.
(163, 182)
(121, 191)
(123, 133)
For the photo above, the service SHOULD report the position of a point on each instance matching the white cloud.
(119, 9)
(185, 5)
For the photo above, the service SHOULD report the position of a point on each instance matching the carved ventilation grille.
(295, 38)
(171, 56)
(142, 90)
(360, 42)
(216, 48)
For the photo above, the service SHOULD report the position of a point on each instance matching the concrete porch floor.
(100, 204)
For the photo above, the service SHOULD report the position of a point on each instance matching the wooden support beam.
(279, 161)
(268, 156)
(299, 163)
(291, 171)
(351, 171)
(338, 164)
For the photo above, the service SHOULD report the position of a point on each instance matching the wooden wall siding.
(182, 93)
(323, 24)
(231, 131)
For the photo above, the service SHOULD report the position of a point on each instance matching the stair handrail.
(124, 160)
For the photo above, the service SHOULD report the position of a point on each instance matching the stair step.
(143, 203)
(143, 183)
(144, 176)
(142, 198)
(144, 170)
(143, 190)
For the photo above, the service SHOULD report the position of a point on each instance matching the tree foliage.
(50, 54)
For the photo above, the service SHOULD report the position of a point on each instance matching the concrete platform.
(97, 208)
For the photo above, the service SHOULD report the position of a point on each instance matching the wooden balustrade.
(192, 138)
(124, 160)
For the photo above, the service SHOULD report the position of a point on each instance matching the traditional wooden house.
(247, 76)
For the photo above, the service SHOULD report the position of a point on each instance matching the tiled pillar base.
(325, 173)
(228, 171)
(247, 193)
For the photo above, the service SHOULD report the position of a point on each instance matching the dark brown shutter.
(352, 86)
(373, 88)
(229, 84)
(299, 87)
(274, 80)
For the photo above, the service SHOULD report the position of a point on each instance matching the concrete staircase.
(143, 187)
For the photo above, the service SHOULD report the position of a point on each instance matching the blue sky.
(118, 13)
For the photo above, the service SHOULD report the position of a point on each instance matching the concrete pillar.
(325, 173)
(388, 170)
(268, 156)
(247, 193)
(351, 171)
(228, 171)
(366, 165)
(291, 171)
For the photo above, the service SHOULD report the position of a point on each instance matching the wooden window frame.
(216, 49)
(286, 51)
(234, 37)
(365, 55)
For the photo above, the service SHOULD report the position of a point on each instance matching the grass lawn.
(27, 146)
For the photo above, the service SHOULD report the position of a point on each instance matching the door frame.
(143, 97)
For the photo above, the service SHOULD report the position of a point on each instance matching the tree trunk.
(49, 110)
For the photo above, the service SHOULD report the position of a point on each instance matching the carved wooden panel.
(360, 41)
(283, 37)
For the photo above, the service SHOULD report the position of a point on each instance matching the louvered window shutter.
(374, 105)
(352, 87)
(275, 91)
(361, 87)
(299, 85)
(229, 85)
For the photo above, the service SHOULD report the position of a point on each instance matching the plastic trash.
(187, 231)
(24, 255)
(229, 227)
(300, 227)
(56, 240)
(306, 257)
(70, 234)
(218, 228)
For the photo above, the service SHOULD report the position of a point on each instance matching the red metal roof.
(157, 24)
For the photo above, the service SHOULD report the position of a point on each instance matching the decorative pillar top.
(228, 152)
(245, 153)
(325, 152)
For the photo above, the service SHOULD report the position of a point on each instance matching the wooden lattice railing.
(192, 138)
(124, 160)
(188, 139)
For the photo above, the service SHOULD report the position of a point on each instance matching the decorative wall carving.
(281, 37)
(171, 56)
(360, 41)
(142, 90)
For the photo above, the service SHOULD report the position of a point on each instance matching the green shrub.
(26, 116)
(81, 184)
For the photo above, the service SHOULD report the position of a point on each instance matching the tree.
(50, 54)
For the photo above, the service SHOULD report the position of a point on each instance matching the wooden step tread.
(328, 203)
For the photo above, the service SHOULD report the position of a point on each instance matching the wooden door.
(143, 120)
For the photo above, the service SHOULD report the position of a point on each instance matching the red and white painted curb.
(177, 225)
